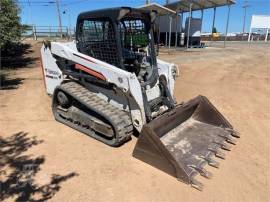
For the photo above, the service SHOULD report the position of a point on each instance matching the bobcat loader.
(109, 84)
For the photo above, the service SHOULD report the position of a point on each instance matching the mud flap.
(182, 141)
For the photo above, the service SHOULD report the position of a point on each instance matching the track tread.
(121, 120)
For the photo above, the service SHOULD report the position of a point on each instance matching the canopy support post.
(176, 28)
(158, 34)
(158, 30)
(166, 36)
(213, 24)
(202, 11)
(189, 19)
(170, 31)
(227, 25)
(181, 28)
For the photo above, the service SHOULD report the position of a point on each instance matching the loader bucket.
(182, 141)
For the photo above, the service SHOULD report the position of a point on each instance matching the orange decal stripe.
(90, 71)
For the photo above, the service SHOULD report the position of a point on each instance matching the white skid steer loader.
(109, 84)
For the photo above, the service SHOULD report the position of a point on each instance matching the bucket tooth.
(213, 163)
(225, 136)
(196, 184)
(203, 172)
(220, 154)
(223, 145)
(231, 140)
(217, 153)
(234, 133)
(228, 138)
(226, 147)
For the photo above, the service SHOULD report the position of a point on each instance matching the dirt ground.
(70, 166)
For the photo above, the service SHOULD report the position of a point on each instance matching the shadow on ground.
(16, 55)
(18, 171)
(9, 83)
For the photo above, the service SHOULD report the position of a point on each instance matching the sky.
(44, 12)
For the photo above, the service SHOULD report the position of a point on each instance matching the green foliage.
(214, 30)
(10, 25)
(139, 39)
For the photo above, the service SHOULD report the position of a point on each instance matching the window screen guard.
(98, 40)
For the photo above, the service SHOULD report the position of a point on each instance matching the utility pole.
(30, 13)
(67, 11)
(59, 17)
(31, 21)
(244, 20)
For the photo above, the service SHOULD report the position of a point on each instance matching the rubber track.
(119, 119)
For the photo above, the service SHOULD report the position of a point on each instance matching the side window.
(95, 30)
(97, 39)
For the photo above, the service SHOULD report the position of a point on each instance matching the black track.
(103, 113)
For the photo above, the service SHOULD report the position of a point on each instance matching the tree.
(10, 23)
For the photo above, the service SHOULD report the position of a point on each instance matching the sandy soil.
(74, 167)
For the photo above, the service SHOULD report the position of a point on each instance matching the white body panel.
(170, 71)
(52, 74)
(124, 80)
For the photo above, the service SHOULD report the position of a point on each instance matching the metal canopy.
(161, 10)
(183, 5)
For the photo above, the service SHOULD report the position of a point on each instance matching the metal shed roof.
(114, 13)
(161, 10)
(183, 5)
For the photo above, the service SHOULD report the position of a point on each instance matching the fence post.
(266, 35)
(34, 32)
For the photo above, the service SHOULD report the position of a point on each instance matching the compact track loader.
(109, 83)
